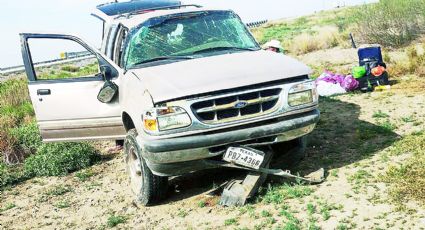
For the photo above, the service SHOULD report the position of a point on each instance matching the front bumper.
(167, 155)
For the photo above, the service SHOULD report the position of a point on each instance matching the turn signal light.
(151, 124)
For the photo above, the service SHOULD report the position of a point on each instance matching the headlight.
(301, 94)
(301, 98)
(165, 118)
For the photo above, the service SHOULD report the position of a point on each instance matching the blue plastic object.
(370, 54)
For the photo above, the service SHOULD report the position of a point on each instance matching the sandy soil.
(362, 203)
(353, 194)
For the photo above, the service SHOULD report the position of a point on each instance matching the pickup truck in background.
(185, 86)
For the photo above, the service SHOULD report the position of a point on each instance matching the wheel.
(288, 154)
(148, 188)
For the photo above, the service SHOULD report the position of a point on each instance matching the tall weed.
(13, 93)
(15, 109)
(323, 38)
(413, 64)
(391, 22)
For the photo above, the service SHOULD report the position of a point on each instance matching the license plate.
(245, 157)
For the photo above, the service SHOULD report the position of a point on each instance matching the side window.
(61, 59)
(112, 35)
(119, 46)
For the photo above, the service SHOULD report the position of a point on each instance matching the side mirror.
(106, 72)
(108, 92)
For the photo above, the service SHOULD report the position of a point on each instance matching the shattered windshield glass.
(179, 37)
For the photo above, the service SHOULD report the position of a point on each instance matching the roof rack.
(128, 15)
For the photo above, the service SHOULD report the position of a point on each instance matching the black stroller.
(370, 58)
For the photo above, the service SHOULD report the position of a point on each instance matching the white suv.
(188, 88)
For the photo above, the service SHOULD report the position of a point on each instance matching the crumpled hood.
(209, 74)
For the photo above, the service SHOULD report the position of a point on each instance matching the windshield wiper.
(164, 58)
(218, 48)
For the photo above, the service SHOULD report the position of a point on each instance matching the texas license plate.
(245, 157)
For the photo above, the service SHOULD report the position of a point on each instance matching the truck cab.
(187, 87)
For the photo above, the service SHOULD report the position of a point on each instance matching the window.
(119, 45)
(111, 41)
(61, 59)
(186, 35)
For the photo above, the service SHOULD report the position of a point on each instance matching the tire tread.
(154, 187)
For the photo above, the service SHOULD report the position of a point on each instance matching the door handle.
(43, 92)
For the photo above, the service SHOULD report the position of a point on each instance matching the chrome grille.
(237, 107)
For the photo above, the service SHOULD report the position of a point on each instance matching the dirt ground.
(352, 197)
(352, 142)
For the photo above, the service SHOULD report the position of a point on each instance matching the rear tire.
(289, 154)
(148, 188)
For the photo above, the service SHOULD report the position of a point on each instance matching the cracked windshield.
(182, 36)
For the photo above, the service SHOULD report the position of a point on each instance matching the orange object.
(150, 124)
(378, 71)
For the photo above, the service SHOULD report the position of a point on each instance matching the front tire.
(148, 188)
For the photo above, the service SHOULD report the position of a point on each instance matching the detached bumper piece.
(237, 192)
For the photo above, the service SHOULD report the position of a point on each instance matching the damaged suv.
(187, 87)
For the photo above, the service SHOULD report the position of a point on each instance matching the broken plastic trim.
(316, 177)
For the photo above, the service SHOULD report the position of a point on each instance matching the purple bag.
(349, 83)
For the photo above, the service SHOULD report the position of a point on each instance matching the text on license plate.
(245, 157)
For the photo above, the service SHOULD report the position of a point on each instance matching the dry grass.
(304, 43)
(412, 62)
(323, 38)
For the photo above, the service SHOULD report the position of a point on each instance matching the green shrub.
(27, 136)
(10, 175)
(84, 175)
(70, 72)
(7, 207)
(62, 204)
(89, 69)
(58, 190)
(15, 104)
(50, 160)
(3, 174)
(16, 142)
(59, 75)
(407, 179)
(13, 92)
(17, 111)
(70, 68)
(59, 159)
(116, 220)
(391, 22)
(231, 221)
(278, 194)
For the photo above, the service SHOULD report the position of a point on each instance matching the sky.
(73, 17)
